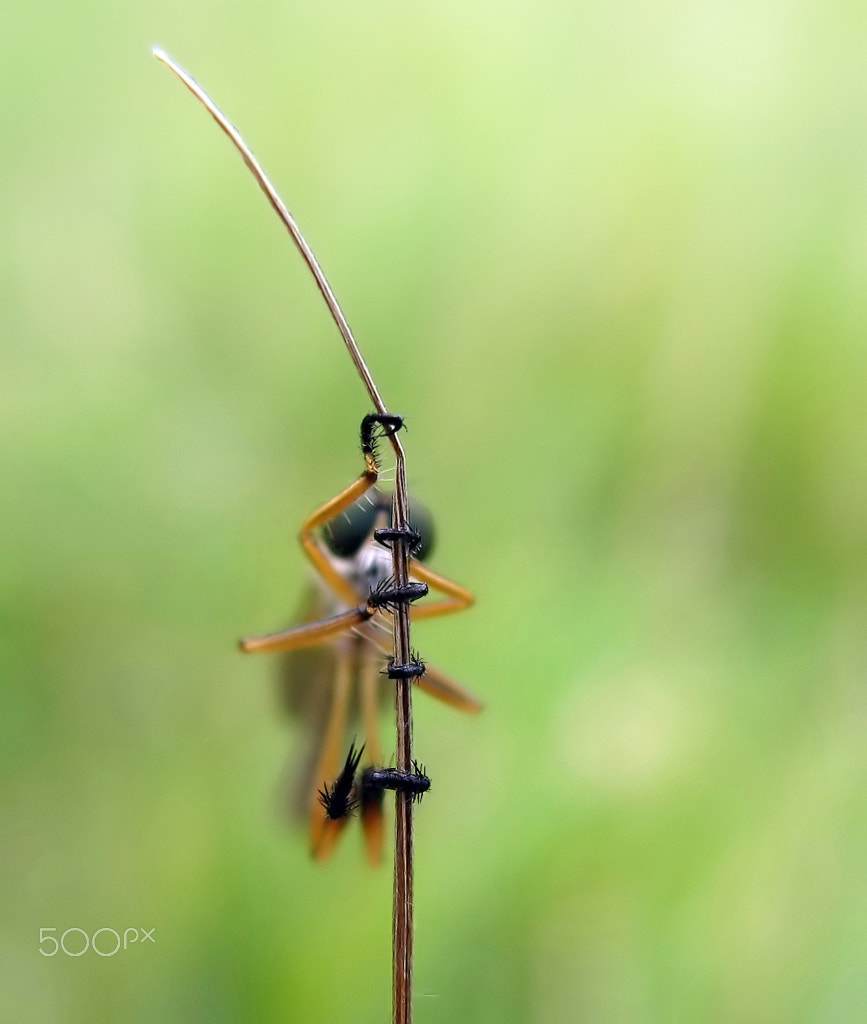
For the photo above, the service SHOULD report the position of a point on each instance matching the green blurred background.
(609, 260)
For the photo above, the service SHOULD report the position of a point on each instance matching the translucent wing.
(335, 691)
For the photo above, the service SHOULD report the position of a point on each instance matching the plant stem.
(402, 924)
(402, 948)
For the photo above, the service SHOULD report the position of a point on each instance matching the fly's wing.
(305, 687)
(373, 695)
(335, 691)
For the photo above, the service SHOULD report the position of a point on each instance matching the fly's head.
(350, 532)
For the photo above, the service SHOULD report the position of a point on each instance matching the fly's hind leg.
(437, 684)
(455, 597)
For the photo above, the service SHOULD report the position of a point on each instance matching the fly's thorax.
(370, 568)
(363, 562)
(367, 569)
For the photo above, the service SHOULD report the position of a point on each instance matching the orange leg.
(448, 691)
(314, 633)
(313, 547)
(438, 685)
(456, 599)
(310, 542)
(308, 635)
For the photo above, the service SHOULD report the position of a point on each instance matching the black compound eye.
(421, 520)
(345, 534)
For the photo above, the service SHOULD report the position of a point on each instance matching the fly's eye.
(421, 521)
(345, 534)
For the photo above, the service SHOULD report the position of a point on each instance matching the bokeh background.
(609, 260)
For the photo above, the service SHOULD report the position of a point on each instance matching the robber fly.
(334, 673)
(335, 670)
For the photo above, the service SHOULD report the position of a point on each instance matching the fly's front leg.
(320, 632)
(310, 542)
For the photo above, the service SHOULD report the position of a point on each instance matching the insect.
(338, 663)
(339, 649)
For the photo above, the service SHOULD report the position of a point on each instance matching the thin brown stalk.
(402, 923)
(402, 947)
